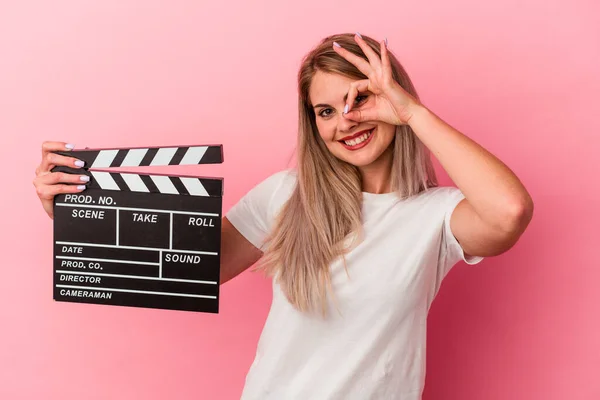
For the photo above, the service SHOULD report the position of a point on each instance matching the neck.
(376, 176)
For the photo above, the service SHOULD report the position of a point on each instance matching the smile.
(357, 141)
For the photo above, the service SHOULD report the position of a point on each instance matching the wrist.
(415, 112)
(405, 105)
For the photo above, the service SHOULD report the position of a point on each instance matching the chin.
(359, 161)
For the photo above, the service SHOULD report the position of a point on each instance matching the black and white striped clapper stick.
(140, 240)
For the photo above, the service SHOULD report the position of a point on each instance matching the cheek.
(326, 131)
(388, 133)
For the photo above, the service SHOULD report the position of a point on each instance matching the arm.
(497, 208)
(237, 253)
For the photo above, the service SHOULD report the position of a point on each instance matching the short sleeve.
(253, 214)
(451, 250)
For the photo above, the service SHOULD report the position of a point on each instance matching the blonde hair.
(324, 210)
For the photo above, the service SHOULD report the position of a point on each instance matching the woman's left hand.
(391, 103)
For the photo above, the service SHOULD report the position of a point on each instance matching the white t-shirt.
(374, 346)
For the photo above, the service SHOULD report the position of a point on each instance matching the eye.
(360, 98)
(326, 112)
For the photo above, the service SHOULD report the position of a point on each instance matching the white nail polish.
(70, 146)
(81, 187)
(84, 178)
(358, 34)
(79, 163)
(386, 42)
(346, 109)
(336, 44)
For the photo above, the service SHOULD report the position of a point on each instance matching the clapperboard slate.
(140, 240)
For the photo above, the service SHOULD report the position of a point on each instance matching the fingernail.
(84, 178)
(79, 163)
(70, 146)
(358, 34)
(336, 44)
(386, 42)
(346, 109)
(81, 187)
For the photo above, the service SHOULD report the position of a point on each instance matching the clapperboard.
(140, 240)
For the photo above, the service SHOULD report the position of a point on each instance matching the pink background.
(519, 77)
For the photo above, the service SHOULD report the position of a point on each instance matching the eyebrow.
(327, 105)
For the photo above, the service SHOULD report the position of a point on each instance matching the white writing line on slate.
(153, 278)
(160, 258)
(201, 296)
(105, 260)
(210, 253)
(137, 209)
(117, 228)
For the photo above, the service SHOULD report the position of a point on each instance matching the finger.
(360, 63)
(356, 88)
(385, 60)
(367, 114)
(52, 159)
(49, 146)
(48, 192)
(374, 59)
(53, 178)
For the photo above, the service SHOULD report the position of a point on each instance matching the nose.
(345, 124)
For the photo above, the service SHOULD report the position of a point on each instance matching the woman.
(359, 236)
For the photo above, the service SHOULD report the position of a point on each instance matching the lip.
(360, 145)
(357, 134)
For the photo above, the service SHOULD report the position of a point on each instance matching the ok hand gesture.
(392, 104)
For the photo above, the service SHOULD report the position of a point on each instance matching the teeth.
(358, 140)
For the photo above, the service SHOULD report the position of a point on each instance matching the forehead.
(328, 88)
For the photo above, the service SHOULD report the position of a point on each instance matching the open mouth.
(357, 141)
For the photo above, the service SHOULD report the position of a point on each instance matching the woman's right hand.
(49, 184)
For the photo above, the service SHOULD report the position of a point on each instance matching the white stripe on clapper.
(194, 186)
(104, 180)
(104, 159)
(164, 155)
(135, 183)
(134, 157)
(193, 155)
(164, 184)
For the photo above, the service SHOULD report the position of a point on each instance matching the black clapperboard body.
(140, 240)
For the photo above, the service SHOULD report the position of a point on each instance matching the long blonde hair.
(312, 228)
